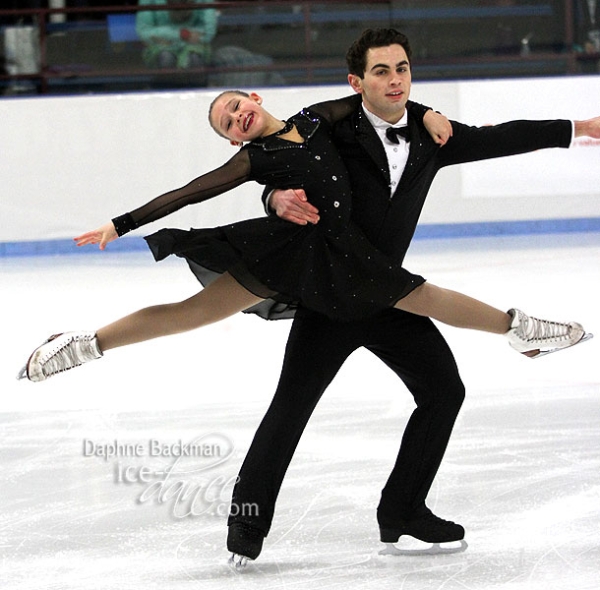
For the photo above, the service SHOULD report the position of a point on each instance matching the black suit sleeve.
(469, 144)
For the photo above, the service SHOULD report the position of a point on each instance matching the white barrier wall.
(69, 164)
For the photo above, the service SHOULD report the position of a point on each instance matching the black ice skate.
(536, 338)
(245, 543)
(443, 536)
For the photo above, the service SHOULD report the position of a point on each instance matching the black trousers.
(316, 349)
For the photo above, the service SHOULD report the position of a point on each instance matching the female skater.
(329, 267)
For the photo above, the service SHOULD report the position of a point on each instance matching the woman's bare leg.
(455, 309)
(222, 298)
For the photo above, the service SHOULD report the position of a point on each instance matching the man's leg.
(416, 351)
(316, 349)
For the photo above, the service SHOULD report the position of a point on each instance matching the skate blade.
(237, 562)
(434, 549)
(542, 353)
(22, 374)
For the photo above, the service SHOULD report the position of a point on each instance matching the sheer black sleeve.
(233, 173)
(417, 110)
(336, 110)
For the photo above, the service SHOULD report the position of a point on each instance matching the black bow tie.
(393, 132)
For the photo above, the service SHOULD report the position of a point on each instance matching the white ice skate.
(536, 338)
(59, 353)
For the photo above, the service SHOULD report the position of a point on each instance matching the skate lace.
(71, 354)
(536, 331)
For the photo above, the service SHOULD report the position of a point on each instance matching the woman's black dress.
(329, 267)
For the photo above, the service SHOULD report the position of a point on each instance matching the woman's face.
(240, 118)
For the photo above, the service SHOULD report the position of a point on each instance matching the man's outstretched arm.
(470, 144)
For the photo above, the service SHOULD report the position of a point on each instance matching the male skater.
(387, 204)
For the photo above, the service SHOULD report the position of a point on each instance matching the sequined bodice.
(313, 165)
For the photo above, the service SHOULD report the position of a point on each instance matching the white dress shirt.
(397, 153)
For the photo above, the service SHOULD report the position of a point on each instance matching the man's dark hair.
(356, 57)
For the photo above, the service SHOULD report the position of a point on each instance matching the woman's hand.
(438, 126)
(103, 235)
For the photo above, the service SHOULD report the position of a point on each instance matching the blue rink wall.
(424, 232)
(69, 164)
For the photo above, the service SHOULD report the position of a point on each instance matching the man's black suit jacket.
(390, 223)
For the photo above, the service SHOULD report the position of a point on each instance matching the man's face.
(386, 84)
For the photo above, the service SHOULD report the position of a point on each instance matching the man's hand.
(438, 126)
(292, 205)
(102, 236)
(589, 128)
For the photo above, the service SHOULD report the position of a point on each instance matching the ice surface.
(522, 472)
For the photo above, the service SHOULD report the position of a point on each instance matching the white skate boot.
(59, 353)
(534, 337)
